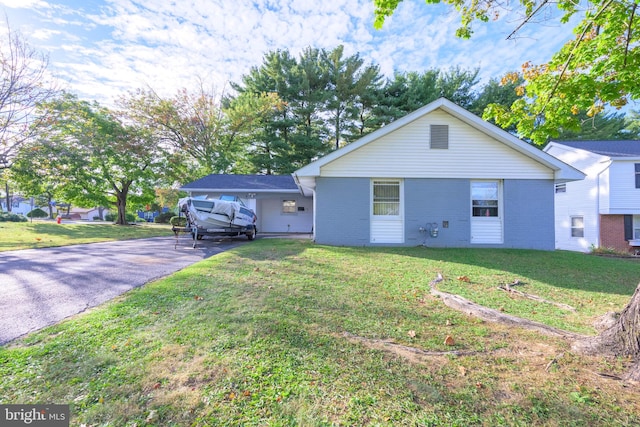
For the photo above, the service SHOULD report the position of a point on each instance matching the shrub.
(11, 217)
(129, 217)
(178, 221)
(37, 213)
(164, 218)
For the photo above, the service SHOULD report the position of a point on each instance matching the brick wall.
(612, 232)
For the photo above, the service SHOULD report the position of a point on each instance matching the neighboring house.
(603, 211)
(440, 177)
(276, 200)
(19, 205)
(87, 214)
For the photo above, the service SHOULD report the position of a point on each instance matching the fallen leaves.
(449, 340)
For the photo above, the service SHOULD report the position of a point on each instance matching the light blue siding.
(343, 212)
(435, 201)
(529, 218)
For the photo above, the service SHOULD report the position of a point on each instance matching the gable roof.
(245, 183)
(610, 148)
(305, 176)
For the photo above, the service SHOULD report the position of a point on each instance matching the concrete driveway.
(40, 287)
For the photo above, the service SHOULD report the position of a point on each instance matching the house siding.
(430, 201)
(272, 220)
(343, 213)
(406, 153)
(529, 214)
(268, 209)
(582, 198)
(624, 196)
(343, 209)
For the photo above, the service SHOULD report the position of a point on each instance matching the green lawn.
(289, 333)
(41, 234)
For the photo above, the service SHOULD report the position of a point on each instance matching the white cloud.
(107, 47)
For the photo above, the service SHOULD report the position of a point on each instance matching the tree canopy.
(93, 156)
(596, 70)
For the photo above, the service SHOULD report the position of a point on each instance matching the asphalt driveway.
(40, 287)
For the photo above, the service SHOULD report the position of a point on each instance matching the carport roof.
(245, 183)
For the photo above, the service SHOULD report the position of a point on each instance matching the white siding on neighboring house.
(574, 203)
(625, 197)
(405, 152)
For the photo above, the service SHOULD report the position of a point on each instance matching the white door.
(486, 212)
(387, 217)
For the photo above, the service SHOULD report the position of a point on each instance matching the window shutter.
(440, 137)
(628, 227)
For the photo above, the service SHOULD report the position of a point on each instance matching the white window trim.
(500, 200)
(571, 227)
(295, 207)
(400, 208)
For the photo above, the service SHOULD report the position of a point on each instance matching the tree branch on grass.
(490, 315)
(620, 339)
(509, 288)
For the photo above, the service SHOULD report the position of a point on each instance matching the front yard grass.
(289, 333)
(42, 234)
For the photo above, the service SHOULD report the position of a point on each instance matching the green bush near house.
(178, 221)
(11, 217)
(37, 213)
(163, 218)
(112, 217)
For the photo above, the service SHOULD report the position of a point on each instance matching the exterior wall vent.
(439, 137)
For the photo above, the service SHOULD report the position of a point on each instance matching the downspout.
(598, 201)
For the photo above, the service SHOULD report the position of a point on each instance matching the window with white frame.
(289, 206)
(485, 198)
(386, 197)
(637, 166)
(636, 226)
(577, 226)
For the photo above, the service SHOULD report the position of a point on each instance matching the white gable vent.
(439, 137)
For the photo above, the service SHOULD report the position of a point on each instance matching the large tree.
(599, 68)
(97, 158)
(24, 85)
(198, 124)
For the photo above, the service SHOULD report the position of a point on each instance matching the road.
(40, 287)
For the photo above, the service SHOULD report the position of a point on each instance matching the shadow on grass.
(253, 337)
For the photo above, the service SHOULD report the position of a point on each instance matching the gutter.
(609, 162)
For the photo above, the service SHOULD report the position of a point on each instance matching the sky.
(101, 49)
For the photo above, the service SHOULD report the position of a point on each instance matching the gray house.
(276, 200)
(439, 177)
